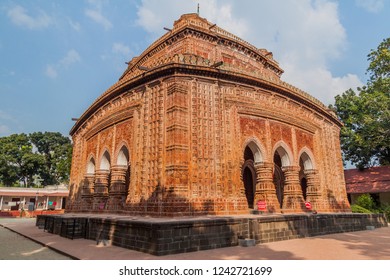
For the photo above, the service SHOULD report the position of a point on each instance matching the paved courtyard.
(14, 246)
(360, 245)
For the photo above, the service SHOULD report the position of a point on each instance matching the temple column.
(88, 185)
(292, 196)
(118, 188)
(118, 180)
(87, 192)
(313, 193)
(265, 188)
(101, 182)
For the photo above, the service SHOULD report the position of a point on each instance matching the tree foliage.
(22, 157)
(57, 151)
(365, 138)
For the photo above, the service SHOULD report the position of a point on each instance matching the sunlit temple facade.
(201, 123)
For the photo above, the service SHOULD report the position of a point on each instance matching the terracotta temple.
(202, 124)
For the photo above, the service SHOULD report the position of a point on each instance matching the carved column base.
(101, 183)
(118, 188)
(314, 194)
(118, 181)
(100, 195)
(269, 196)
(292, 198)
(87, 204)
(88, 186)
(265, 188)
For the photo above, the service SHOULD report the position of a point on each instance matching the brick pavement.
(360, 245)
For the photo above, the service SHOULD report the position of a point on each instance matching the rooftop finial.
(198, 9)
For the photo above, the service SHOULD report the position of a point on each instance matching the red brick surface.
(185, 125)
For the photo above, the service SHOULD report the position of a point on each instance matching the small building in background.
(33, 199)
(374, 181)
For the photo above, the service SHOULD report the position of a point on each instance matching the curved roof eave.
(177, 68)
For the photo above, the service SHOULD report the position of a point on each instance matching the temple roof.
(370, 180)
(148, 66)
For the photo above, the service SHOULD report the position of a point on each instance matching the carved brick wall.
(186, 124)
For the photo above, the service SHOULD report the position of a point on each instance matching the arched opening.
(248, 177)
(123, 160)
(105, 161)
(248, 154)
(305, 163)
(252, 155)
(278, 177)
(123, 157)
(91, 166)
(304, 187)
(253, 152)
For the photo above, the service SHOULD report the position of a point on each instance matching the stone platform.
(164, 236)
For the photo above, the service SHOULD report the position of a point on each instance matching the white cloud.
(51, 71)
(153, 17)
(75, 25)
(305, 36)
(122, 49)
(95, 13)
(71, 57)
(372, 6)
(20, 17)
(319, 82)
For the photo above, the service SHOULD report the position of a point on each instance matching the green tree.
(366, 201)
(18, 162)
(47, 155)
(365, 137)
(57, 151)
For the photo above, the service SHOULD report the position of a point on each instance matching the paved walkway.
(14, 246)
(360, 245)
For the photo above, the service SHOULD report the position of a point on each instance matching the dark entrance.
(16, 206)
(304, 187)
(278, 178)
(248, 177)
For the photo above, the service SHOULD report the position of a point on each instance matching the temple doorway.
(304, 187)
(278, 178)
(305, 163)
(249, 184)
(249, 174)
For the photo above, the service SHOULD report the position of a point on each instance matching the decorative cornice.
(194, 65)
(113, 118)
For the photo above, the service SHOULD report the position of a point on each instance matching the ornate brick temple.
(201, 123)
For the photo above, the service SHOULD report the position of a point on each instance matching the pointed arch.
(105, 161)
(91, 166)
(307, 158)
(249, 180)
(253, 148)
(123, 156)
(284, 152)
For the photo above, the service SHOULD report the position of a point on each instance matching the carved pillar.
(118, 180)
(313, 194)
(265, 188)
(292, 198)
(101, 182)
(118, 188)
(88, 185)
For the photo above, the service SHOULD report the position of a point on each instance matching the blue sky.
(57, 57)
